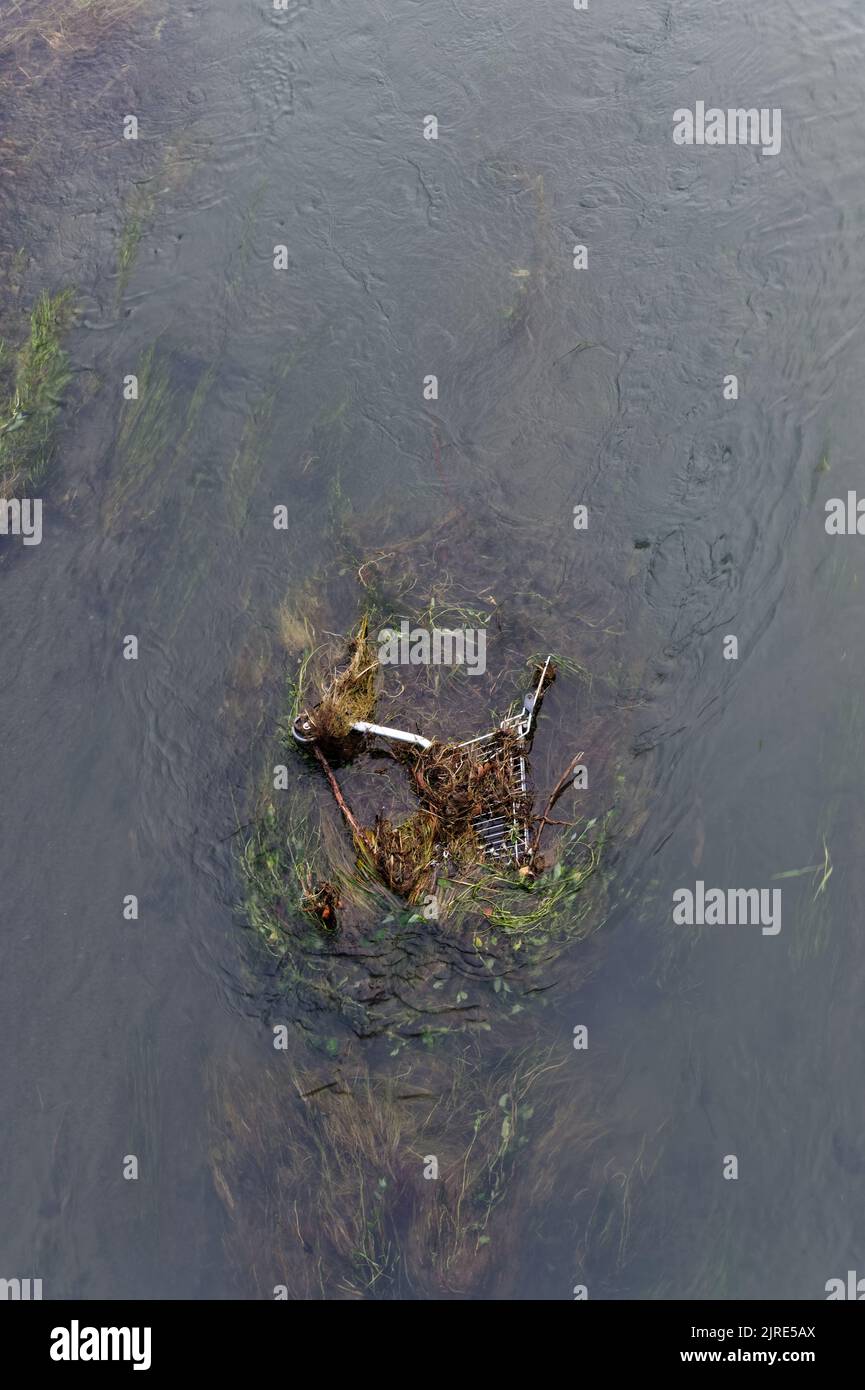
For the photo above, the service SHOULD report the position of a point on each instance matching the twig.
(560, 787)
(232, 834)
(338, 796)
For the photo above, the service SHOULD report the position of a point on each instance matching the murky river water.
(408, 257)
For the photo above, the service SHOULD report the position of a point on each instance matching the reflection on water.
(557, 387)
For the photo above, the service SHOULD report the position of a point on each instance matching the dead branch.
(338, 796)
(560, 787)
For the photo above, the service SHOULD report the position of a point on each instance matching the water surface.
(408, 257)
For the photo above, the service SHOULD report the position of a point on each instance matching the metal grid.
(504, 836)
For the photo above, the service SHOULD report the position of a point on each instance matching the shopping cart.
(503, 827)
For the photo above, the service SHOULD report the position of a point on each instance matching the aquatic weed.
(33, 379)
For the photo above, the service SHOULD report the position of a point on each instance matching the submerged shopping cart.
(503, 826)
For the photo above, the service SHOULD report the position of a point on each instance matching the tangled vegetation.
(45, 30)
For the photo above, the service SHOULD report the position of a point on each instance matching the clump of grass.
(32, 380)
(348, 698)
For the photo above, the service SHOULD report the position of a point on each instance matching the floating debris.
(320, 900)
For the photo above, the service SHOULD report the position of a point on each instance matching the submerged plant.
(32, 381)
(345, 1205)
(139, 210)
(536, 909)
